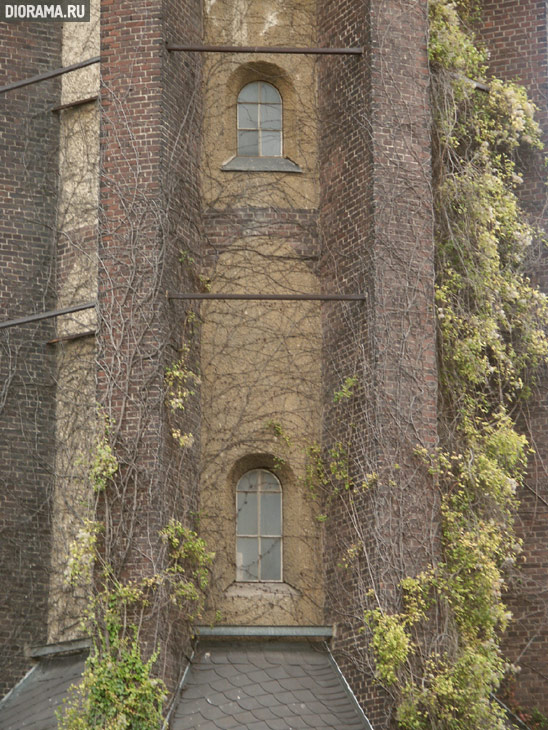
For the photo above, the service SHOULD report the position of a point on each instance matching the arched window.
(259, 527)
(259, 121)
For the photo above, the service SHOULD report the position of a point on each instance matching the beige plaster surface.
(267, 23)
(75, 436)
(78, 167)
(80, 42)
(77, 213)
(260, 406)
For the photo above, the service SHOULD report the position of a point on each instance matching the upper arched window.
(259, 121)
(259, 527)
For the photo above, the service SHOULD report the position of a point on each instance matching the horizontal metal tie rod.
(481, 87)
(265, 49)
(49, 74)
(73, 104)
(275, 297)
(478, 85)
(46, 315)
(70, 338)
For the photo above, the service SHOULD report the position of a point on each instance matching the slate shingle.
(265, 685)
(33, 702)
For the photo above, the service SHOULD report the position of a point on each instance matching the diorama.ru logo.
(45, 11)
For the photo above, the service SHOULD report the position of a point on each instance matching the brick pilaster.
(149, 205)
(376, 227)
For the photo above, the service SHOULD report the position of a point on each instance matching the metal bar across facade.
(275, 297)
(49, 74)
(265, 49)
(46, 315)
(70, 338)
(73, 104)
(192, 48)
(481, 87)
(478, 85)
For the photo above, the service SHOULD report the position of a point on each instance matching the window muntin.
(258, 527)
(259, 121)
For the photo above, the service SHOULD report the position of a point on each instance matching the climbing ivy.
(181, 382)
(118, 690)
(491, 335)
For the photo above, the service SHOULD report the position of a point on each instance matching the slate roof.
(240, 684)
(265, 685)
(32, 703)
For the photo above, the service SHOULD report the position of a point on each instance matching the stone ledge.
(261, 164)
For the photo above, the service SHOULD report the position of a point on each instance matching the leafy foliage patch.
(491, 335)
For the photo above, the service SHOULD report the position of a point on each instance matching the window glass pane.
(249, 92)
(269, 483)
(249, 481)
(246, 519)
(271, 116)
(271, 514)
(271, 144)
(271, 558)
(270, 93)
(259, 512)
(248, 116)
(248, 144)
(247, 551)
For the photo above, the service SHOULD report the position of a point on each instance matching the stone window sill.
(260, 164)
(256, 590)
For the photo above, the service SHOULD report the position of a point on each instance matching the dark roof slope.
(265, 685)
(32, 703)
(244, 684)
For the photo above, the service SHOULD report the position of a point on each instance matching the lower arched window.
(259, 527)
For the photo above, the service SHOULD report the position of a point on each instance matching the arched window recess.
(259, 131)
(259, 527)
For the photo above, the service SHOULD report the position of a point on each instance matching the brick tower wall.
(376, 228)
(28, 179)
(148, 140)
(516, 36)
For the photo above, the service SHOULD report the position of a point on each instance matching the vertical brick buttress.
(377, 239)
(149, 205)
(28, 180)
(516, 36)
